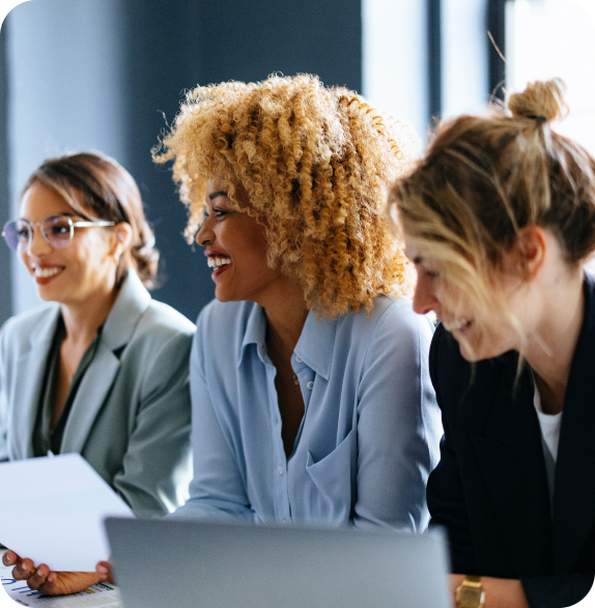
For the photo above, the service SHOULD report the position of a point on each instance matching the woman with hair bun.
(310, 389)
(100, 369)
(499, 218)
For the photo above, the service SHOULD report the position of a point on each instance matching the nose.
(205, 235)
(425, 299)
(37, 245)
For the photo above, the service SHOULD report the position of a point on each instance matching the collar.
(315, 346)
(131, 303)
(255, 332)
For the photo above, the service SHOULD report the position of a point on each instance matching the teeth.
(43, 273)
(216, 262)
(456, 325)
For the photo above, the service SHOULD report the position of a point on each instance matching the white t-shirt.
(550, 426)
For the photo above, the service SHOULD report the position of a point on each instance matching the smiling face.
(82, 270)
(481, 332)
(236, 248)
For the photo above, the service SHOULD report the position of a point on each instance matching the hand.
(499, 592)
(104, 571)
(41, 578)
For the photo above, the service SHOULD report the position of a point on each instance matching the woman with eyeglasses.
(101, 368)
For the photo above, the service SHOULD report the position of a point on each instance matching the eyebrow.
(61, 214)
(214, 195)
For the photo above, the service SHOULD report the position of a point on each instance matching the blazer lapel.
(574, 487)
(94, 389)
(30, 371)
(91, 395)
(510, 458)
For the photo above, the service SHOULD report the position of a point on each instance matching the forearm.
(499, 592)
(553, 591)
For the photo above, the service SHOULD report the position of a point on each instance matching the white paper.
(16, 593)
(52, 511)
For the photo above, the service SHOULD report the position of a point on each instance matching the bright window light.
(555, 38)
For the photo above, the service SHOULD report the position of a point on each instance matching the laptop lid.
(190, 564)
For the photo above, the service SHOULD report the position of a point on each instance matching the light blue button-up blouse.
(369, 436)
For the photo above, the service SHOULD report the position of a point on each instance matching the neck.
(83, 319)
(551, 345)
(286, 314)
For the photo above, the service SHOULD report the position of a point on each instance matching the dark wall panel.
(161, 57)
(250, 40)
(5, 208)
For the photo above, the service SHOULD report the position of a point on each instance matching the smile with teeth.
(44, 273)
(217, 262)
(457, 325)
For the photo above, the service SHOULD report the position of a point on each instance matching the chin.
(468, 354)
(226, 296)
(47, 296)
(473, 355)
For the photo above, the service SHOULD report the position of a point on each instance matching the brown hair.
(315, 163)
(485, 178)
(110, 192)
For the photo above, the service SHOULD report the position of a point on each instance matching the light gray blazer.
(131, 416)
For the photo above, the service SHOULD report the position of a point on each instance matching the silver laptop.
(197, 564)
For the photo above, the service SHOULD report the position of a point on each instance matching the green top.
(45, 440)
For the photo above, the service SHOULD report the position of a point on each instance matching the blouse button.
(298, 360)
(310, 385)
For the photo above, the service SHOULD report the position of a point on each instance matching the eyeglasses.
(56, 230)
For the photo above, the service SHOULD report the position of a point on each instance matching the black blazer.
(490, 489)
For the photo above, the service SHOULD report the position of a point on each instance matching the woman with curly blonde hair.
(499, 218)
(310, 388)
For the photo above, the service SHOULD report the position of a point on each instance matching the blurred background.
(109, 75)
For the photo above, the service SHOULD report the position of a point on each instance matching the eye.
(59, 229)
(426, 270)
(218, 203)
(217, 212)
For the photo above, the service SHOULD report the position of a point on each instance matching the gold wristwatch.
(470, 593)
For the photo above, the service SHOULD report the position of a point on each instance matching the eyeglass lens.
(57, 231)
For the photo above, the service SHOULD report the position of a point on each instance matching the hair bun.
(541, 101)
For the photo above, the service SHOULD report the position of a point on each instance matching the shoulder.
(223, 329)
(160, 316)
(390, 318)
(390, 330)
(163, 335)
(32, 322)
(137, 318)
(225, 320)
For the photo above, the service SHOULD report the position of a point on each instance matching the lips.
(456, 325)
(218, 261)
(44, 274)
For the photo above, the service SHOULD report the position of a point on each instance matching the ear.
(122, 232)
(530, 250)
(394, 215)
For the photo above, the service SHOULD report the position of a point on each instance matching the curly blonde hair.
(315, 163)
(484, 179)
